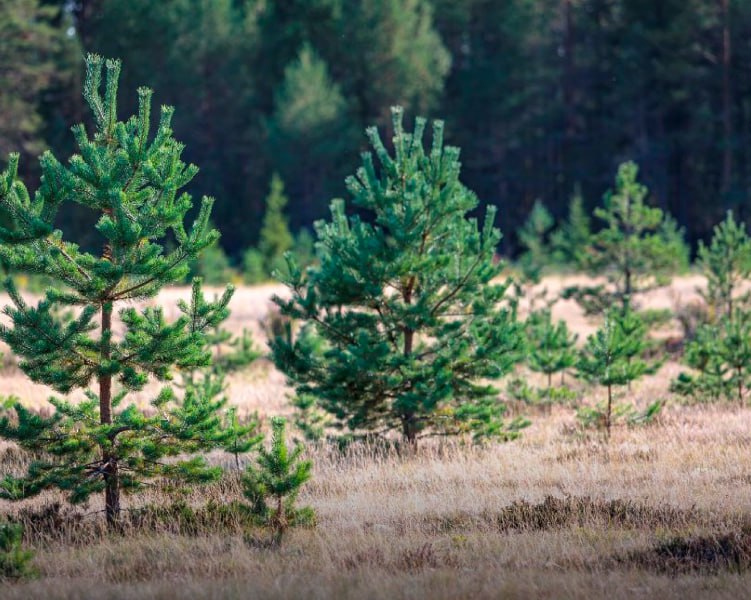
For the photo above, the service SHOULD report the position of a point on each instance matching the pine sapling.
(726, 263)
(637, 250)
(552, 347)
(276, 479)
(15, 561)
(607, 359)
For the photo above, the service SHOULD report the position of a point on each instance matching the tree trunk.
(727, 107)
(109, 460)
(740, 385)
(607, 415)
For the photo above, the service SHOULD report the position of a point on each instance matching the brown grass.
(664, 511)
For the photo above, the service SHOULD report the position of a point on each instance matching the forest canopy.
(544, 97)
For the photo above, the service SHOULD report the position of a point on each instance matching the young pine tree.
(552, 347)
(131, 179)
(721, 356)
(726, 263)
(15, 561)
(571, 240)
(275, 237)
(639, 247)
(278, 477)
(608, 359)
(404, 302)
(534, 235)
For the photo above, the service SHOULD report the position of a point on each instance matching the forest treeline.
(544, 97)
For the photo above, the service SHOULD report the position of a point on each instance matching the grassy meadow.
(662, 511)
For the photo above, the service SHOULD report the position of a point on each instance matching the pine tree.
(32, 60)
(404, 302)
(533, 236)
(278, 477)
(309, 133)
(571, 241)
(131, 179)
(15, 562)
(552, 346)
(608, 359)
(721, 354)
(275, 237)
(726, 263)
(635, 250)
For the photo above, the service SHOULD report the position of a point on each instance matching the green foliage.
(212, 266)
(131, 179)
(639, 247)
(720, 355)
(534, 237)
(276, 238)
(612, 355)
(572, 239)
(254, 269)
(15, 562)
(552, 348)
(277, 478)
(726, 263)
(402, 317)
(600, 415)
(33, 61)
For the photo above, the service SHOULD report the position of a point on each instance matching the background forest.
(543, 96)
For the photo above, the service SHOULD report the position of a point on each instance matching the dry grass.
(663, 512)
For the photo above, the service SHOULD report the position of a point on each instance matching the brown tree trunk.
(607, 416)
(109, 460)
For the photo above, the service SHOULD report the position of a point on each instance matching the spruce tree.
(639, 248)
(608, 359)
(402, 312)
(552, 346)
(275, 238)
(131, 179)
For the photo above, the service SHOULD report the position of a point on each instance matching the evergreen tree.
(635, 250)
(608, 359)
(404, 302)
(571, 241)
(15, 562)
(131, 179)
(275, 238)
(278, 477)
(309, 133)
(552, 346)
(32, 60)
(726, 263)
(721, 355)
(534, 237)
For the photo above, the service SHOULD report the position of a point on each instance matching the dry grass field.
(663, 511)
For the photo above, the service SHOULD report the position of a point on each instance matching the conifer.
(571, 241)
(15, 561)
(275, 238)
(721, 355)
(552, 346)
(278, 477)
(639, 247)
(534, 235)
(726, 263)
(608, 359)
(131, 180)
(401, 312)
